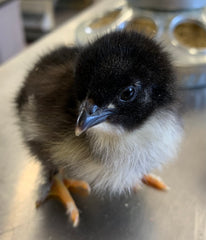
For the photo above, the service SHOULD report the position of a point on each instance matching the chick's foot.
(60, 189)
(76, 186)
(155, 182)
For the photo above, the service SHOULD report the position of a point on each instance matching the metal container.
(168, 4)
(102, 23)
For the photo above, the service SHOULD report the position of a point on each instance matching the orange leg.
(76, 186)
(60, 189)
(155, 181)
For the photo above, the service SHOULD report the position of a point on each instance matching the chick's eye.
(128, 94)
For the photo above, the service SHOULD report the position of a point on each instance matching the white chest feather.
(115, 160)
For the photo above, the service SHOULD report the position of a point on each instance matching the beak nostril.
(92, 109)
(90, 106)
(90, 115)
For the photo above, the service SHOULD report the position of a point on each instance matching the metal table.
(148, 214)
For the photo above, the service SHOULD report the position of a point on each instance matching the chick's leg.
(154, 181)
(76, 186)
(60, 189)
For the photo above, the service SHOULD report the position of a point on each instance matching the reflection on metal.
(144, 25)
(168, 5)
(105, 20)
(188, 33)
(20, 208)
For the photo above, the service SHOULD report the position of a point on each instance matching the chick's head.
(122, 78)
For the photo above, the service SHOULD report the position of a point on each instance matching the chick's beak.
(90, 115)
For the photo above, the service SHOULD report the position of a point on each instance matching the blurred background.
(24, 21)
(180, 26)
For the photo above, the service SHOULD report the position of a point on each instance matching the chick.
(105, 113)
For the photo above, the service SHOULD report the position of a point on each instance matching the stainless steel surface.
(168, 4)
(147, 215)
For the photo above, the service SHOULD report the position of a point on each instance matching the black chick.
(119, 95)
